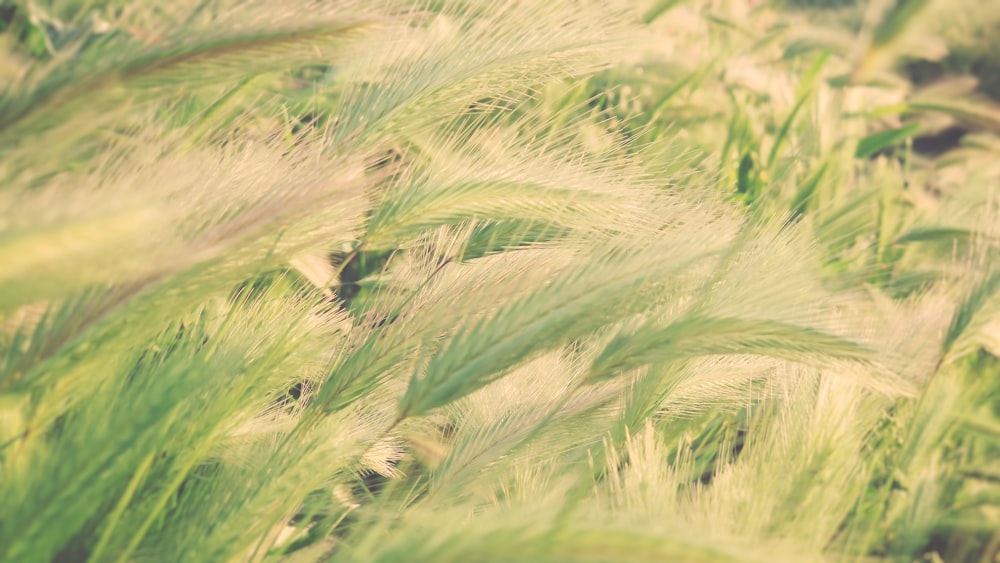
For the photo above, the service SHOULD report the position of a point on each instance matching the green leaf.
(807, 190)
(659, 8)
(936, 234)
(804, 93)
(876, 142)
(897, 20)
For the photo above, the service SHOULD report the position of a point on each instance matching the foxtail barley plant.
(474, 280)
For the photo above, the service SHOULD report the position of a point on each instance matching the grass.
(697, 280)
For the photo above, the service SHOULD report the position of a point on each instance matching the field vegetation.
(513, 280)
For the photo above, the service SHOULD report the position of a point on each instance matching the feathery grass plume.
(972, 312)
(174, 402)
(444, 61)
(166, 216)
(198, 265)
(491, 176)
(186, 64)
(588, 296)
(186, 45)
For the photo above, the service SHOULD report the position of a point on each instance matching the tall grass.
(521, 281)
